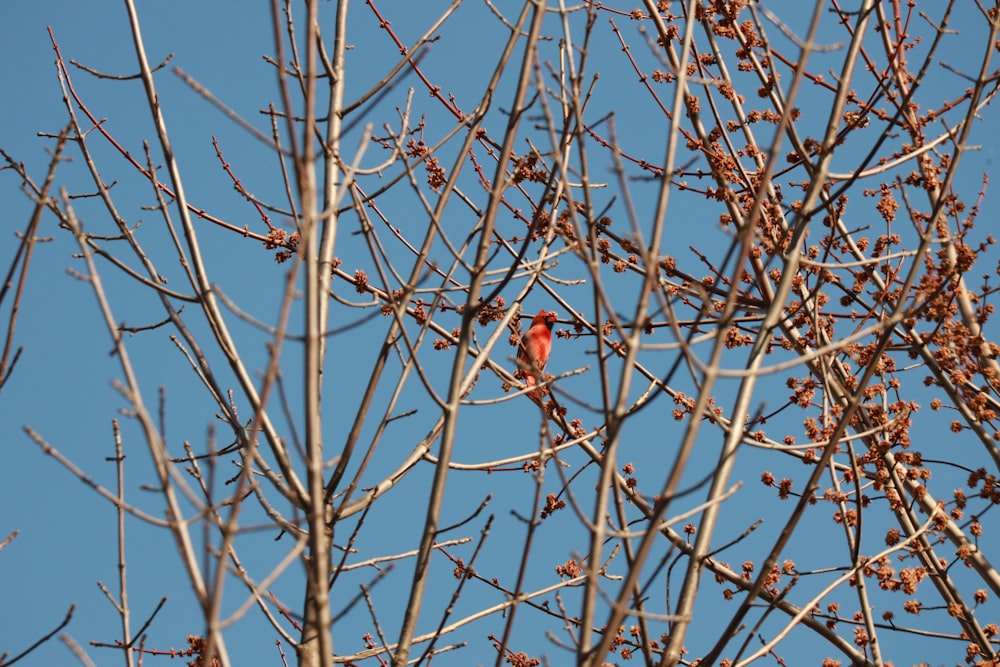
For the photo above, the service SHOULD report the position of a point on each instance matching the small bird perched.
(532, 355)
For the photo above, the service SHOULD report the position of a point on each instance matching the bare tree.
(757, 233)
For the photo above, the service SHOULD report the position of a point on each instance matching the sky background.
(63, 384)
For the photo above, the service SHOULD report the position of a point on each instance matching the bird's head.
(546, 317)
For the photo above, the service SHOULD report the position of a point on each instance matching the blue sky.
(63, 385)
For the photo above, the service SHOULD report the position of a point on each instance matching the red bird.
(536, 344)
